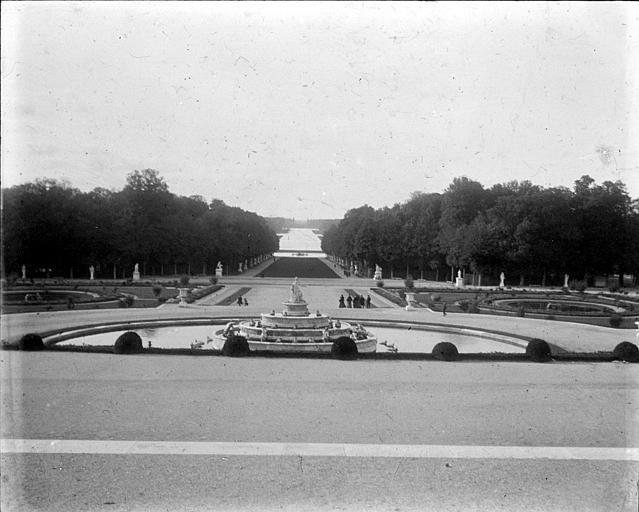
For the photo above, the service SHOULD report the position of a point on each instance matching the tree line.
(54, 229)
(534, 235)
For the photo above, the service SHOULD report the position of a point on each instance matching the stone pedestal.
(136, 276)
(459, 282)
(183, 292)
(410, 301)
(218, 272)
(299, 308)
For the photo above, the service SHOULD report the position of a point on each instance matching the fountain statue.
(296, 292)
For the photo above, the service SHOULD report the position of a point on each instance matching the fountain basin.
(560, 306)
(416, 339)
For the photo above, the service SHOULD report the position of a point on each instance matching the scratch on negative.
(397, 468)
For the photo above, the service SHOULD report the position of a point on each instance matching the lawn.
(299, 267)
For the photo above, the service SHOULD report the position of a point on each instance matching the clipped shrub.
(521, 311)
(445, 351)
(70, 303)
(184, 280)
(579, 286)
(12, 278)
(626, 351)
(128, 343)
(464, 305)
(31, 341)
(550, 317)
(236, 346)
(473, 307)
(213, 279)
(380, 284)
(126, 301)
(157, 289)
(409, 283)
(538, 350)
(344, 348)
(615, 320)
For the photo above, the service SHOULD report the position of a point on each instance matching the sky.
(307, 109)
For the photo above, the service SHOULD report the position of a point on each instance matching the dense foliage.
(31, 341)
(532, 234)
(49, 225)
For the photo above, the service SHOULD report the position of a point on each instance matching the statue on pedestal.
(502, 277)
(24, 271)
(296, 293)
(92, 272)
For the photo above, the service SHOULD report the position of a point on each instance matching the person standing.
(349, 301)
(239, 301)
(341, 301)
(444, 309)
(368, 302)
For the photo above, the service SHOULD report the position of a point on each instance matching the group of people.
(355, 302)
(242, 302)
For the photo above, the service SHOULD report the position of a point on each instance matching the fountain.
(296, 329)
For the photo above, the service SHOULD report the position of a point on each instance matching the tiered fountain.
(296, 329)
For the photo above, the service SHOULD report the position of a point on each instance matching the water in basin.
(405, 340)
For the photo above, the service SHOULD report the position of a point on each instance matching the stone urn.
(183, 293)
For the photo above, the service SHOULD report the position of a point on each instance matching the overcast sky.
(310, 109)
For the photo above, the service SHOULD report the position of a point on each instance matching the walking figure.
(239, 301)
(245, 301)
(368, 301)
(349, 301)
(341, 301)
(444, 309)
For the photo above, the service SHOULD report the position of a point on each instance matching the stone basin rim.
(53, 337)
